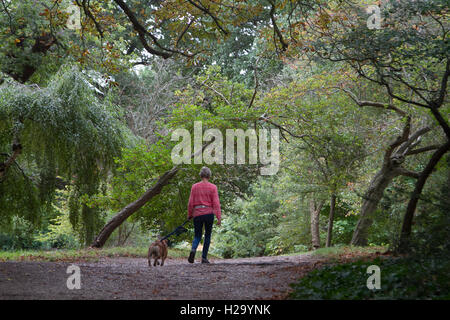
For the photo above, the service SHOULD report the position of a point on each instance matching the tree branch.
(89, 14)
(142, 32)
(405, 146)
(398, 141)
(443, 90)
(424, 149)
(407, 173)
(209, 13)
(256, 85)
(363, 103)
(277, 31)
(17, 149)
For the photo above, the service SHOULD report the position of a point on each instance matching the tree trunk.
(17, 149)
(391, 168)
(42, 44)
(119, 218)
(331, 219)
(412, 204)
(128, 234)
(119, 235)
(371, 199)
(315, 232)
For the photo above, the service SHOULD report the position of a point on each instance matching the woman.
(203, 205)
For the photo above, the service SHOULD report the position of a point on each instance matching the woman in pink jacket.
(203, 205)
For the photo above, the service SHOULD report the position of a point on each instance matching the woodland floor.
(132, 278)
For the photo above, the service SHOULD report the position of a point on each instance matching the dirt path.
(131, 278)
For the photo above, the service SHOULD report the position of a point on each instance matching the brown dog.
(157, 249)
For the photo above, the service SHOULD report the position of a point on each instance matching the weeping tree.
(54, 137)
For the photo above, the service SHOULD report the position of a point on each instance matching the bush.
(401, 278)
(20, 235)
(60, 234)
(247, 234)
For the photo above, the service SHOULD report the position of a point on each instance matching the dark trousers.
(207, 220)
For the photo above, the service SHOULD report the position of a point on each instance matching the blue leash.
(178, 230)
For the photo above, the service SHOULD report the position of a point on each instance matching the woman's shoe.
(191, 257)
(204, 260)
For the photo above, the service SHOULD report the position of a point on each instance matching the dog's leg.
(163, 258)
(156, 262)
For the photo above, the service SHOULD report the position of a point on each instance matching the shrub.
(401, 278)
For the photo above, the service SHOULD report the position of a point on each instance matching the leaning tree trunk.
(331, 219)
(412, 204)
(315, 232)
(119, 218)
(371, 199)
(394, 157)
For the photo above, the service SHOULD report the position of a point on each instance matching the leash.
(178, 230)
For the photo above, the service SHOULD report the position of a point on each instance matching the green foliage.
(292, 232)
(19, 234)
(66, 133)
(388, 217)
(139, 166)
(246, 234)
(136, 171)
(60, 234)
(421, 275)
(401, 278)
(72, 136)
(432, 227)
(343, 229)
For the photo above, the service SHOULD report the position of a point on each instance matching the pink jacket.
(204, 193)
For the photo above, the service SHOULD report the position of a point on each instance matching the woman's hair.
(205, 172)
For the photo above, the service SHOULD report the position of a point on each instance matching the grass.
(332, 253)
(337, 252)
(86, 254)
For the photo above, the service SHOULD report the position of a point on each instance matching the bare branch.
(277, 31)
(407, 173)
(263, 118)
(217, 92)
(400, 139)
(255, 70)
(443, 90)
(424, 149)
(363, 103)
(404, 148)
